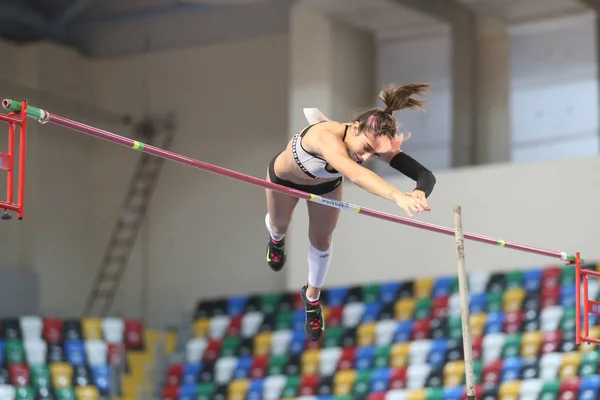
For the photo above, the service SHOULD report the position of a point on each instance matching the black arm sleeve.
(410, 167)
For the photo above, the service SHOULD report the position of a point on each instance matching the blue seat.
(75, 352)
(494, 322)
(589, 388)
(101, 378)
(188, 391)
(380, 379)
(298, 341)
(299, 320)
(477, 303)
(442, 287)
(236, 305)
(532, 279)
(437, 352)
(511, 369)
(370, 312)
(2, 358)
(404, 330)
(191, 372)
(567, 295)
(255, 391)
(336, 296)
(389, 291)
(453, 393)
(242, 370)
(364, 357)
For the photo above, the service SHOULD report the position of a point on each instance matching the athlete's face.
(366, 146)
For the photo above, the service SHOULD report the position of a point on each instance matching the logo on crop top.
(295, 153)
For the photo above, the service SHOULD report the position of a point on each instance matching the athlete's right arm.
(335, 153)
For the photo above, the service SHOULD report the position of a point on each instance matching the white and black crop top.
(313, 166)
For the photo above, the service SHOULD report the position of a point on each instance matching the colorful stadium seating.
(400, 340)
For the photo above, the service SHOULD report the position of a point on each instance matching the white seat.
(273, 386)
(31, 326)
(492, 346)
(251, 322)
(218, 326)
(418, 351)
(224, 368)
(7, 392)
(530, 389)
(352, 314)
(454, 305)
(384, 332)
(397, 394)
(195, 349)
(550, 318)
(549, 366)
(477, 281)
(328, 360)
(280, 341)
(35, 351)
(416, 375)
(113, 329)
(96, 352)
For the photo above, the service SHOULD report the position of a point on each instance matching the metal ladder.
(128, 224)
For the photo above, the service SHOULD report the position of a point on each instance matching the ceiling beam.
(443, 10)
(23, 14)
(593, 4)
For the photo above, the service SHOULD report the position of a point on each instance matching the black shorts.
(318, 189)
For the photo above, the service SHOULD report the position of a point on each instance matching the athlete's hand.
(408, 203)
(420, 195)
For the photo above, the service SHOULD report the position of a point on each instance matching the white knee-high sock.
(274, 235)
(318, 265)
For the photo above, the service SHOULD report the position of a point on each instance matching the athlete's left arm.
(410, 167)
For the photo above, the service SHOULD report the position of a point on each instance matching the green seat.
(494, 302)
(434, 394)
(381, 359)
(550, 390)
(371, 293)
(454, 327)
(362, 384)
(567, 275)
(276, 364)
(206, 390)
(477, 370)
(40, 376)
(25, 393)
(589, 363)
(333, 336)
(284, 320)
(512, 345)
(230, 346)
(269, 303)
(15, 353)
(567, 320)
(514, 279)
(65, 394)
(455, 287)
(290, 389)
(422, 308)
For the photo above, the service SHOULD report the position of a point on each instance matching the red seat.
(335, 316)
(170, 392)
(551, 277)
(376, 396)
(550, 342)
(298, 303)
(550, 296)
(420, 329)
(174, 374)
(397, 378)
(478, 392)
(19, 374)
(52, 330)
(439, 307)
(116, 353)
(477, 348)
(259, 367)
(569, 388)
(492, 372)
(513, 322)
(308, 385)
(310, 345)
(235, 326)
(134, 334)
(347, 358)
(211, 354)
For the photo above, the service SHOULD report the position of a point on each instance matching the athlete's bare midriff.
(285, 165)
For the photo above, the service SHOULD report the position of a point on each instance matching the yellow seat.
(238, 389)
(201, 327)
(366, 334)
(170, 341)
(594, 331)
(530, 344)
(262, 344)
(509, 390)
(310, 361)
(477, 323)
(92, 328)
(513, 299)
(569, 364)
(61, 375)
(416, 394)
(130, 386)
(404, 308)
(343, 382)
(87, 393)
(422, 288)
(399, 355)
(454, 373)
